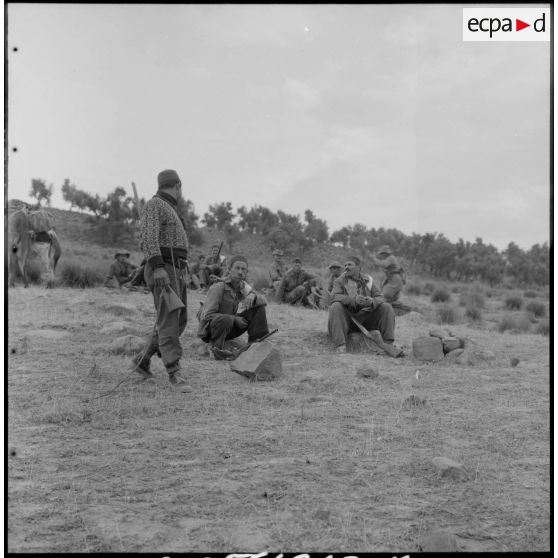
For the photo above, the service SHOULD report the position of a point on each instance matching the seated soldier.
(296, 286)
(335, 270)
(198, 275)
(121, 270)
(354, 296)
(232, 308)
(276, 270)
(216, 265)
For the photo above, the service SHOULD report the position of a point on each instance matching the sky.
(375, 114)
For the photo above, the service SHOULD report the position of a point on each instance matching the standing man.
(121, 269)
(165, 247)
(276, 270)
(296, 286)
(394, 278)
(352, 297)
(232, 308)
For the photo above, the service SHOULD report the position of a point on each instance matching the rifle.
(377, 340)
(223, 354)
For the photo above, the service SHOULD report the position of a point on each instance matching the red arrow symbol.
(519, 25)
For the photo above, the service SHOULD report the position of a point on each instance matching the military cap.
(121, 252)
(334, 264)
(354, 259)
(167, 177)
(277, 253)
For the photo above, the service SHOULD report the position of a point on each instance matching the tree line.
(431, 253)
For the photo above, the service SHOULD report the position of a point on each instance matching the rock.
(450, 344)
(368, 372)
(413, 401)
(437, 333)
(117, 327)
(120, 308)
(438, 541)
(428, 348)
(127, 345)
(448, 468)
(465, 358)
(262, 361)
(462, 342)
(452, 355)
(52, 334)
(514, 362)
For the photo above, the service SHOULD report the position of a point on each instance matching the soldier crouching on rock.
(232, 308)
(353, 296)
(165, 247)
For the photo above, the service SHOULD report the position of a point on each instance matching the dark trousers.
(340, 324)
(222, 328)
(298, 295)
(165, 336)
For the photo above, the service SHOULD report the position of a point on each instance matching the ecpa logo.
(506, 24)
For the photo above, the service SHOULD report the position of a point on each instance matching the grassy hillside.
(320, 460)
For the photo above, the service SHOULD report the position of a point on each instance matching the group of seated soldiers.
(232, 307)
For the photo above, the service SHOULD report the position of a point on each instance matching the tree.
(41, 191)
(186, 210)
(232, 235)
(316, 230)
(342, 235)
(219, 216)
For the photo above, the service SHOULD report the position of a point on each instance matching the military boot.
(141, 364)
(176, 379)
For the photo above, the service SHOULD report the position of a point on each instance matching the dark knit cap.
(167, 177)
(237, 258)
(297, 260)
(354, 259)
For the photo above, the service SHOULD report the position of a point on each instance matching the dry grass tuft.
(538, 309)
(448, 314)
(518, 323)
(440, 295)
(513, 302)
(79, 275)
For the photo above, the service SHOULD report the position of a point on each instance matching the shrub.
(428, 287)
(543, 328)
(412, 288)
(440, 295)
(537, 308)
(472, 298)
(448, 314)
(513, 302)
(530, 294)
(78, 275)
(515, 324)
(473, 313)
(455, 289)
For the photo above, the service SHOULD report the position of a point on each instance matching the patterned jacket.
(342, 288)
(161, 227)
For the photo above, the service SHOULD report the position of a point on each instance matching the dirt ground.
(319, 460)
